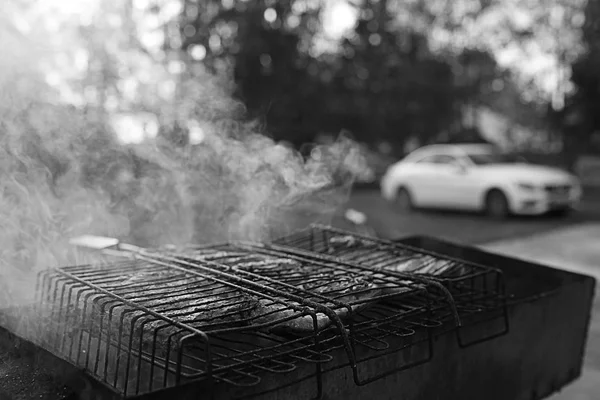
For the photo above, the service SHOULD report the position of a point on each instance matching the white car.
(478, 177)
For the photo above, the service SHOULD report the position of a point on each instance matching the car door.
(420, 179)
(457, 184)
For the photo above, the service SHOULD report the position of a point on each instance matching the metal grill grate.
(239, 313)
(478, 291)
(140, 327)
(386, 315)
(233, 313)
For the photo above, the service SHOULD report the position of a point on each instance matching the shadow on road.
(551, 216)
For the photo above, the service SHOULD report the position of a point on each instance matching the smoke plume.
(63, 173)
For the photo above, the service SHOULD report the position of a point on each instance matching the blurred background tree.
(389, 72)
(579, 121)
(399, 71)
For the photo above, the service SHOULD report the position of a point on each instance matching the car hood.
(529, 173)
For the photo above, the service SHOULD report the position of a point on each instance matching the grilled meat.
(387, 258)
(198, 301)
(347, 241)
(340, 291)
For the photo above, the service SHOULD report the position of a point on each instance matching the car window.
(495, 158)
(431, 159)
(445, 159)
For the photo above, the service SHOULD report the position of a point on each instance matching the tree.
(393, 81)
(580, 119)
(265, 45)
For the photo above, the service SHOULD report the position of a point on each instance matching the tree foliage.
(382, 82)
(580, 120)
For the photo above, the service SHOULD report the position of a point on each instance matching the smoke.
(247, 187)
(63, 173)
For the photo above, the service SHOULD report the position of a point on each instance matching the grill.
(262, 316)
(557, 189)
(478, 291)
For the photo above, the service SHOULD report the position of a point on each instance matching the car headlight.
(527, 187)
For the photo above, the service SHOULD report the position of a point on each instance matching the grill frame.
(541, 300)
(341, 339)
(427, 307)
(558, 189)
(57, 346)
(401, 301)
(482, 288)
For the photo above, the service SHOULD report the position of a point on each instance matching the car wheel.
(496, 204)
(403, 200)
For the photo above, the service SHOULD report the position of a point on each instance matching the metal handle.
(505, 329)
(107, 245)
(429, 355)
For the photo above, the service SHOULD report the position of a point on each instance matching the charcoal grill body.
(548, 311)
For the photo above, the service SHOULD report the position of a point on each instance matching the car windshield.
(495, 158)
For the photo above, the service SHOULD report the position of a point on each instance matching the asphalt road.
(468, 228)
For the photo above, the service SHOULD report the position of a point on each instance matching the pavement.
(574, 248)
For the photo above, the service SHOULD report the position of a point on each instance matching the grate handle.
(365, 381)
(106, 245)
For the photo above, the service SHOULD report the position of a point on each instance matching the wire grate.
(478, 291)
(387, 313)
(141, 326)
(237, 313)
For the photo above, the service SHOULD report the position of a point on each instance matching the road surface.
(466, 228)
